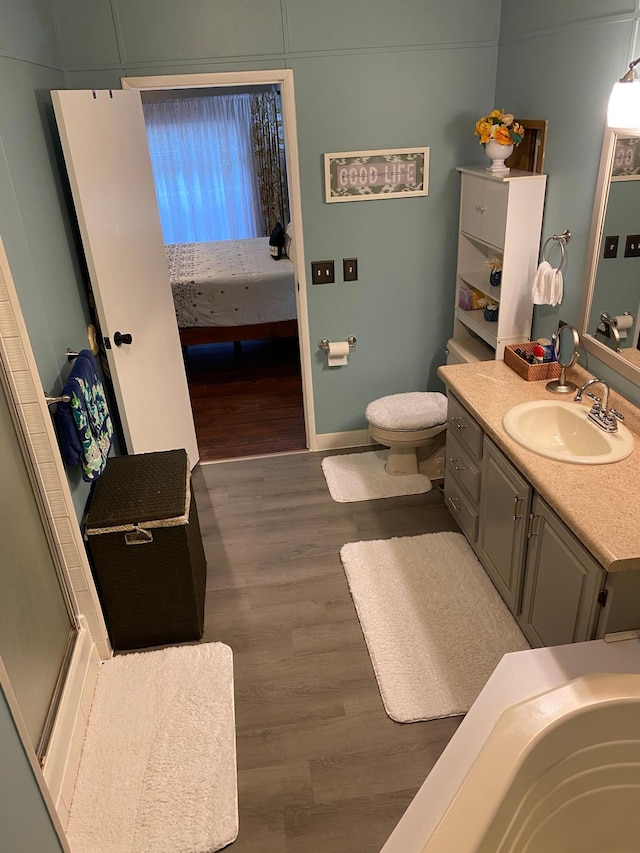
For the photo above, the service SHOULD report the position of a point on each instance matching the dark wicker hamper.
(146, 550)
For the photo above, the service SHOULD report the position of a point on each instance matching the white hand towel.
(547, 285)
(540, 289)
(556, 293)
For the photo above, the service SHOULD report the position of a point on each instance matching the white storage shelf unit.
(500, 215)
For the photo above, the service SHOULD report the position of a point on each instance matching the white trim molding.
(339, 440)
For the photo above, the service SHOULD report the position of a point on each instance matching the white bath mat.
(361, 477)
(158, 767)
(434, 624)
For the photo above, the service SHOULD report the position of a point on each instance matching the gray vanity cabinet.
(547, 578)
(462, 465)
(562, 583)
(504, 513)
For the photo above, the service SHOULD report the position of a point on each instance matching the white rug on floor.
(434, 624)
(361, 477)
(158, 767)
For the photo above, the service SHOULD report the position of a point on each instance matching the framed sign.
(626, 159)
(366, 175)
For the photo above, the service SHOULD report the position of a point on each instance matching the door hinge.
(107, 343)
(602, 597)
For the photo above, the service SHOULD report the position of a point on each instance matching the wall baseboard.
(63, 753)
(338, 440)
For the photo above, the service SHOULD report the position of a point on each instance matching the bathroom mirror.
(611, 278)
(567, 347)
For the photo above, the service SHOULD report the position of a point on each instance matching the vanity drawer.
(461, 467)
(465, 516)
(464, 427)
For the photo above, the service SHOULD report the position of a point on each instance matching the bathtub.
(558, 773)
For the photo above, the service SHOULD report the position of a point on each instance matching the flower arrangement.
(494, 264)
(499, 127)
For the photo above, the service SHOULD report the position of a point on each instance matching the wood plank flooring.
(246, 400)
(321, 768)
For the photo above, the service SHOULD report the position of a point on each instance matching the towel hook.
(561, 240)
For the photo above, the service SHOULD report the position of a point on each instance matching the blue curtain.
(203, 166)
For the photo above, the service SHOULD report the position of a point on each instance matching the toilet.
(413, 425)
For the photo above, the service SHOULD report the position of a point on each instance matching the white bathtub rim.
(517, 731)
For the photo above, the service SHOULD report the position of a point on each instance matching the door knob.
(120, 339)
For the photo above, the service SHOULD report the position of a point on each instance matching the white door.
(104, 142)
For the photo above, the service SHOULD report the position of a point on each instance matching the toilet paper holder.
(323, 343)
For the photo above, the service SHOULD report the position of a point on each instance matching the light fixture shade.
(623, 114)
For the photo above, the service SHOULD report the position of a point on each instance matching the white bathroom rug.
(158, 767)
(434, 624)
(361, 477)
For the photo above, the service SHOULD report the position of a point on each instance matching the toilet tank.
(465, 350)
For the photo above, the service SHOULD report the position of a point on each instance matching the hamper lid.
(141, 490)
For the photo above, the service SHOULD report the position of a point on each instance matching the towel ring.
(560, 240)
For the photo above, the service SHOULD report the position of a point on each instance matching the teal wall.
(25, 825)
(557, 61)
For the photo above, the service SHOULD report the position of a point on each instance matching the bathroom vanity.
(560, 541)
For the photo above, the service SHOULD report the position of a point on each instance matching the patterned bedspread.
(230, 283)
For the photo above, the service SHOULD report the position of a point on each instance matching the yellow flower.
(483, 130)
(495, 114)
(501, 134)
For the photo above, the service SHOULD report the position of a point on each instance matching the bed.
(231, 290)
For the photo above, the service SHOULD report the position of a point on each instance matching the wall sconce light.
(623, 114)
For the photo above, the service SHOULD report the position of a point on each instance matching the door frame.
(284, 78)
(27, 401)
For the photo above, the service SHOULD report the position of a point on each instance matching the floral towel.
(84, 425)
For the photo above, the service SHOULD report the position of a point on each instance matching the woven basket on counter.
(530, 372)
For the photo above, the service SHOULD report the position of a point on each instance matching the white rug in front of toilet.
(361, 477)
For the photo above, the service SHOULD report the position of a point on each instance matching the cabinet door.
(483, 212)
(562, 581)
(472, 206)
(494, 218)
(505, 506)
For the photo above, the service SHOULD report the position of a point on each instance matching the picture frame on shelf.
(529, 155)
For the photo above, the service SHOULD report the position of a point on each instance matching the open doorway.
(219, 157)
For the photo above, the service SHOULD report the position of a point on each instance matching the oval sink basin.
(563, 431)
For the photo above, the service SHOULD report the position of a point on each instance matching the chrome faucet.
(600, 413)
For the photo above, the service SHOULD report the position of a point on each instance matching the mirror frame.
(601, 351)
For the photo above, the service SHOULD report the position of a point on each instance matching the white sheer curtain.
(203, 167)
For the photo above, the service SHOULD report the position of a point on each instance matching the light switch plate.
(349, 269)
(323, 272)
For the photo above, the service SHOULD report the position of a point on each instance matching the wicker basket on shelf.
(529, 372)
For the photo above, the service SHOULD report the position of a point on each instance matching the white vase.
(497, 153)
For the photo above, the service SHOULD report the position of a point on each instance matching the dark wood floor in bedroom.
(246, 399)
(321, 768)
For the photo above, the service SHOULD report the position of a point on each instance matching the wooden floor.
(321, 768)
(246, 400)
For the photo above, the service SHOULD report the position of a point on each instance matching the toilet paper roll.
(338, 353)
(622, 322)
